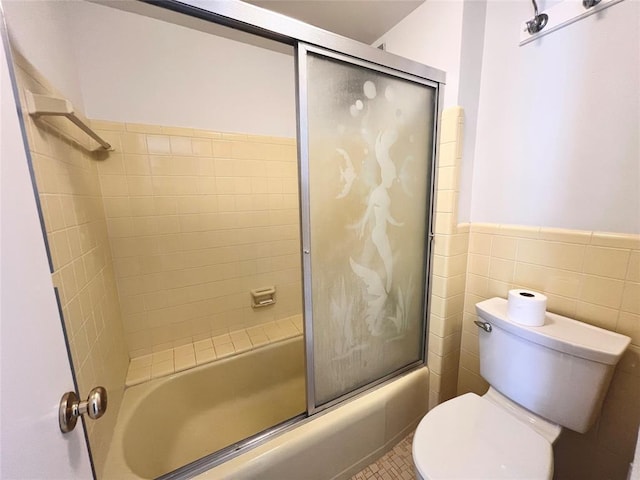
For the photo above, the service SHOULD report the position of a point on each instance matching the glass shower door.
(366, 136)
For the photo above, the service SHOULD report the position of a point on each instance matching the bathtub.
(169, 422)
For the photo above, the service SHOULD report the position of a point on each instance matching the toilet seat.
(469, 437)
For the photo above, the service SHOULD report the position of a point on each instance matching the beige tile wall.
(449, 266)
(197, 219)
(179, 359)
(591, 276)
(69, 190)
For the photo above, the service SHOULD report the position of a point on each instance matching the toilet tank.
(560, 370)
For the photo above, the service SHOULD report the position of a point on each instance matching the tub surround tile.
(242, 345)
(138, 375)
(288, 327)
(451, 118)
(221, 340)
(451, 246)
(172, 360)
(184, 351)
(195, 220)
(274, 332)
(185, 362)
(259, 340)
(160, 369)
(139, 362)
(67, 172)
(110, 126)
(224, 350)
(163, 356)
(205, 344)
(205, 356)
(239, 336)
(446, 201)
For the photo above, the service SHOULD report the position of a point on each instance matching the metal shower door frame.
(307, 38)
(275, 26)
(302, 51)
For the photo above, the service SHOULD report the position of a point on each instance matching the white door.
(35, 369)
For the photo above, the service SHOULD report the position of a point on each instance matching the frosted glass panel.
(370, 148)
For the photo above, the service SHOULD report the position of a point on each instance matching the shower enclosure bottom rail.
(173, 421)
(337, 443)
(223, 427)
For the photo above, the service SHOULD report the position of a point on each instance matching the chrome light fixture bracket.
(540, 20)
(590, 3)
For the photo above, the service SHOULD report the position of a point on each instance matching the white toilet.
(542, 379)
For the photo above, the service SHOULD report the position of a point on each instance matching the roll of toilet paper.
(526, 307)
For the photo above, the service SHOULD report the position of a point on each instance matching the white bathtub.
(172, 421)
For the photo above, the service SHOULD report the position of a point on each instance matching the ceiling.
(363, 20)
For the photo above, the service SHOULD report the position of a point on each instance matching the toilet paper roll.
(526, 307)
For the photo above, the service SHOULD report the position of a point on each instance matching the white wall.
(142, 70)
(40, 31)
(119, 66)
(431, 35)
(449, 35)
(558, 124)
(551, 128)
(471, 54)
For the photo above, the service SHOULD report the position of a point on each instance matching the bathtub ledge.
(339, 443)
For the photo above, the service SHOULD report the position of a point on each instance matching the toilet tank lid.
(559, 333)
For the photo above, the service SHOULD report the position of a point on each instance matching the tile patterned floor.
(395, 464)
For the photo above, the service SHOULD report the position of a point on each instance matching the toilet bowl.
(473, 437)
(541, 379)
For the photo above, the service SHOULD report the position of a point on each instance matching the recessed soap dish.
(263, 297)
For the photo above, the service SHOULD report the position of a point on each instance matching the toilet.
(541, 380)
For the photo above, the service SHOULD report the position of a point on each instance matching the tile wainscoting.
(593, 277)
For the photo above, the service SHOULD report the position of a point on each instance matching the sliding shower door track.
(221, 456)
(215, 459)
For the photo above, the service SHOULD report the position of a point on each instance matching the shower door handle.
(71, 408)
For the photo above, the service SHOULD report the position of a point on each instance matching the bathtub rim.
(135, 395)
(116, 457)
(142, 390)
(220, 457)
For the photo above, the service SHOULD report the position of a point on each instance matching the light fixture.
(590, 3)
(539, 21)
